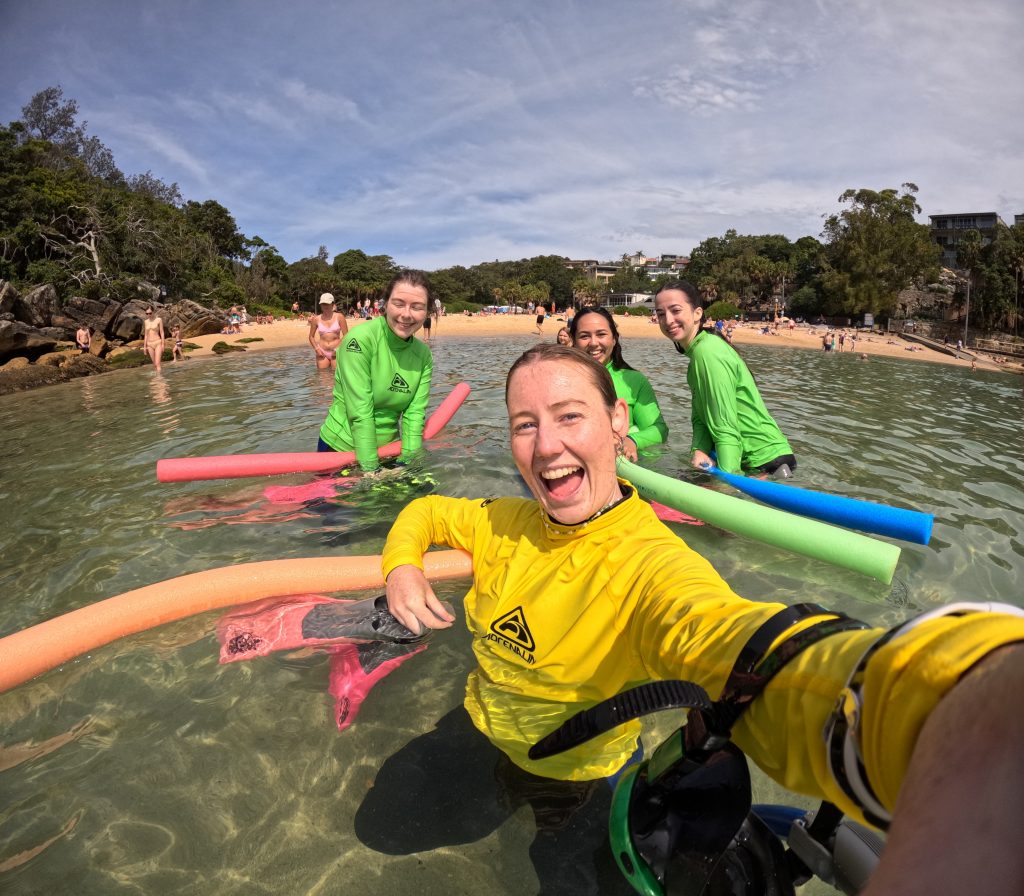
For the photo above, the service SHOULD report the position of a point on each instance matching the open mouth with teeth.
(562, 482)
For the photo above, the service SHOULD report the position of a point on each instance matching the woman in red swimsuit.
(326, 330)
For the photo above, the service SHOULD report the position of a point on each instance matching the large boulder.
(54, 359)
(85, 365)
(79, 311)
(17, 338)
(31, 377)
(193, 318)
(37, 308)
(99, 345)
(7, 296)
(127, 325)
(149, 292)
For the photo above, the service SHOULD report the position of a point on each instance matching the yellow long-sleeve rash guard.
(563, 617)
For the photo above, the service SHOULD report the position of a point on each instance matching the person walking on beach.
(153, 337)
(438, 311)
(728, 415)
(541, 315)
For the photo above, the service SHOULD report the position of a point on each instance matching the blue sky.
(461, 131)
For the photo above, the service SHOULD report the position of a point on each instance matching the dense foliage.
(70, 217)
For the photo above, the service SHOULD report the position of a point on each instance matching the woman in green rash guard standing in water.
(727, 412)
(593, 331)
(382, 379)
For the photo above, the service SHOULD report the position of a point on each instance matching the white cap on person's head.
(326, 299)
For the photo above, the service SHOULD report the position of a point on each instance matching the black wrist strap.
(617, 710)
(751, 674)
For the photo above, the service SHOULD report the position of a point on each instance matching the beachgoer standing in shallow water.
(153, 337)
(728, 415)
(326, 331)
(382, 379)
(593, 331)
(178, 353)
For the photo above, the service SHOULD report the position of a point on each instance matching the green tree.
(211, 218)
(874, 249)
(361, 276)
(551, 270)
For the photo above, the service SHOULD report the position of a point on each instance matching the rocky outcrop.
(37, 327)
(127, 325)
(78, 311)
(17, 338)
(193, 318)
(19, 377)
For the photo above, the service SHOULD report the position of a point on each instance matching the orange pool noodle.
(35, 650)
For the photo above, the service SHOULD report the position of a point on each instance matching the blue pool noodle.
(880, 519)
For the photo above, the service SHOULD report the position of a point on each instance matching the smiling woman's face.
(594, 336)
(564, 439)
(406, 309)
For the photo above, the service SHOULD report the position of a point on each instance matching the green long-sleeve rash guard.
(728, 415)
(381, 386)
(646, 425)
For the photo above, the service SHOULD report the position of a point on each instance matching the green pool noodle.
(798, 534)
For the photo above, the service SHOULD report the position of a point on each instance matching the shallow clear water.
(147, 767)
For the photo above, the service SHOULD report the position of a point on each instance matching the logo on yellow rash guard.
(353, 346)
(512, 632)
(398, 384)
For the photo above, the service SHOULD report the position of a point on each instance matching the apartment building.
(947, 230)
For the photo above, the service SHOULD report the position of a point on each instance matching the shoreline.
(294, 333)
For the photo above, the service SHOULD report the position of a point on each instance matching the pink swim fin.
(356, 668)
(668, 515)
(364, 640)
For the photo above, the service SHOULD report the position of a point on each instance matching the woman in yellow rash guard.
(593, 331)
(382, 379)
(583, 592)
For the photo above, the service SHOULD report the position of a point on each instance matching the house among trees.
(947, 230)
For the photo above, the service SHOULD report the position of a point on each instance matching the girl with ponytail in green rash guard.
(593, 331)
(382, 378)
(727, 412)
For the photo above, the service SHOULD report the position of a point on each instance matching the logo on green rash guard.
(398, 384)
(512, 633)
(353, 346)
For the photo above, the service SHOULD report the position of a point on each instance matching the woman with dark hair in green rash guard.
(593, 331)
(727, 412)
(382, 379)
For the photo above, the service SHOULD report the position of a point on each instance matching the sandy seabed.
(290, 333)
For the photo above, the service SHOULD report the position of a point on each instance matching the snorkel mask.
(681, 822)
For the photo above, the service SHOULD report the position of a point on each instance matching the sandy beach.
(295, 332)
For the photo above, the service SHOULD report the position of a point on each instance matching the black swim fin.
(360, 620)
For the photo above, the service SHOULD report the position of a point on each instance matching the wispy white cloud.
(459, 132)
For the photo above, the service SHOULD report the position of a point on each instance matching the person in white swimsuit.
(153, 337)
(326, 331)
